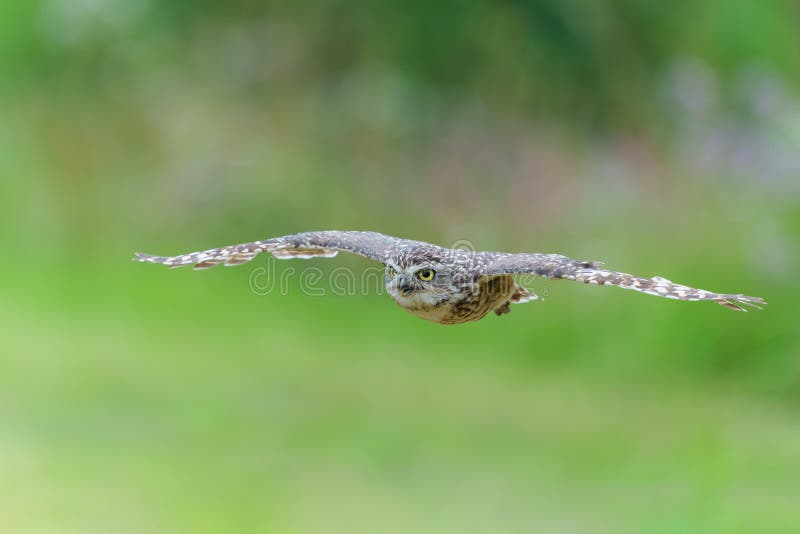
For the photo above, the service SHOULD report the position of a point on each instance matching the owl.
(444, 285)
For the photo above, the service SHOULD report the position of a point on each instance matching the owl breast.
(470, 303)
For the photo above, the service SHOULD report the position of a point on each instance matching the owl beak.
(405, 287)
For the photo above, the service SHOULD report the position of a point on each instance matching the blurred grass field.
(305, 414)
(140, 399)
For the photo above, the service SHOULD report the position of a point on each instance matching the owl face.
(425, 284)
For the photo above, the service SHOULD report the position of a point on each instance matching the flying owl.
(448, 286)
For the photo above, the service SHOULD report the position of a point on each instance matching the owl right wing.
(561, 267)
(325, 244)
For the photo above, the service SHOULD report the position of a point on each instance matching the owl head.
(418, 283)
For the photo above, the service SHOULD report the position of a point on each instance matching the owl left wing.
(557, 266)
(325, 244)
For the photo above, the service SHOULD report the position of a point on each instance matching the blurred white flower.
(71, 22)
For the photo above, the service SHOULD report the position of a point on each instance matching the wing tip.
(162, 260)
(148, 258)
(741, 302)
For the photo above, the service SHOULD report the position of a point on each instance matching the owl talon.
(505, 308)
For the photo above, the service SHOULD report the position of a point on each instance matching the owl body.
(469, 302)
(448, 286)
(457, 292)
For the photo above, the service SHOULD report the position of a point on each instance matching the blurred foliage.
(536, 57)
(662, 138)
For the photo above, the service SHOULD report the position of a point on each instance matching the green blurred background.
(663, 138)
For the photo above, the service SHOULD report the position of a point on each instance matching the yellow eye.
(391, 272)
(426, 275)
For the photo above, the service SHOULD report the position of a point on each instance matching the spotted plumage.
(443, 285)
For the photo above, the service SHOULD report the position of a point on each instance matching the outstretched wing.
(561, 267)
(306, 245)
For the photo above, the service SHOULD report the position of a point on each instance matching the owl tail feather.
(661, 287)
